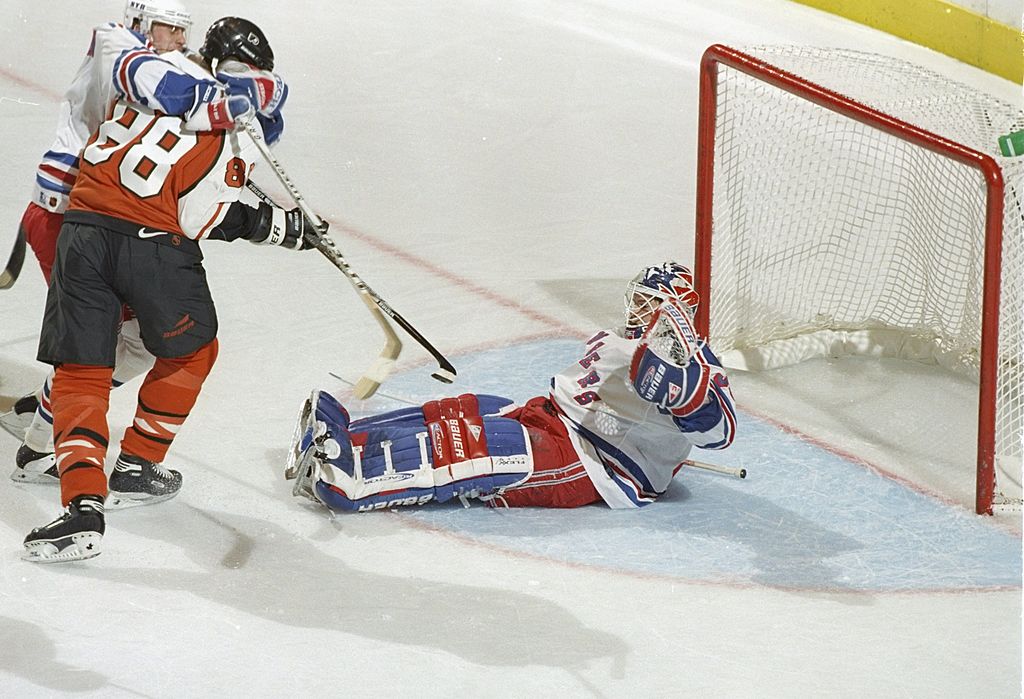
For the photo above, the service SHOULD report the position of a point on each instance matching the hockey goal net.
(851, 203)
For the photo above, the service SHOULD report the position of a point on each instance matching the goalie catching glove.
(445, 449)
(669, 366)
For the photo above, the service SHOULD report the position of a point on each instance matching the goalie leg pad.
(474, 456)
(374, 470)
(406, 457)
(311, 430)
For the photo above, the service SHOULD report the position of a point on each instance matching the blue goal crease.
(804, 518)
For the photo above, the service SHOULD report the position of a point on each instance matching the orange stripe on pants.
(166, 398)
(79, 399)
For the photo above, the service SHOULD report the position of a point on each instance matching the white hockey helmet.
(648, 289)
(140, 15)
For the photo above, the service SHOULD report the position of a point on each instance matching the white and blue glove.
(669, 367)
(265, 90)
(215, 110)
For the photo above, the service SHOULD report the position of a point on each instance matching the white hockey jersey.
(83, 108)
(632, 448)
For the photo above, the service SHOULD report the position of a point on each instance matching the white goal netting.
(834, 236)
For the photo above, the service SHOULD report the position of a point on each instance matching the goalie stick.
(14, 262)
(378, 307)
(705, 466)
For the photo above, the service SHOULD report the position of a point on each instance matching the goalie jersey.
(631, 448)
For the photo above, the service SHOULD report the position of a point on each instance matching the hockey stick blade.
(382, 368)
(14, 262)
(445, 371)
(444, 376)
(375, 375)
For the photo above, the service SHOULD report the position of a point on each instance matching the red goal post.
(848, 200)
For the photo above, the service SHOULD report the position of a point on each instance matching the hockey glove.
(668, 366)
(215, 111)
(265, 90)
(273, 127)
(289, 229)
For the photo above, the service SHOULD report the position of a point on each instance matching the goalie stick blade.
(14, 262)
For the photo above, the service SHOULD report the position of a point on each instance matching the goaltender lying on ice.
(616, 426)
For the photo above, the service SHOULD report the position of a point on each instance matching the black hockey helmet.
(234, 36)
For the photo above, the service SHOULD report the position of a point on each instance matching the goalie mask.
(650, 288)
(140, 15)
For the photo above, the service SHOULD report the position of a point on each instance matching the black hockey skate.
(35, 466)
(74, 536)
(136, 481)
(17, 420)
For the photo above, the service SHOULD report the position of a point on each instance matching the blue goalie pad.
(397, 458)
(380, 468)
(487, 404)
(329, 410)
(508, 460)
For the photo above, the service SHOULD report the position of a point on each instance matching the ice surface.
(496, 171)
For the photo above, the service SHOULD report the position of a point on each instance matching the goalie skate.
(18, 418)
(302, 422)
(301, 459)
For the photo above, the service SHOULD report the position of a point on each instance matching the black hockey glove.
(289, 229)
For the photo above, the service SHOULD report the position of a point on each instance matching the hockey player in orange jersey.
(151, 187)
(163, 26)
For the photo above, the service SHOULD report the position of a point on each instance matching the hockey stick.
(14, 262)
(372, 379)
(704, 466)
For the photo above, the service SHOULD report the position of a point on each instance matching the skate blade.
(20, 475)
(123, 501)
(291, 467)
(16, 424)
(83, 546)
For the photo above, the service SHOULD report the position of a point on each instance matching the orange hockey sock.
(79, 399)
(165, 400)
